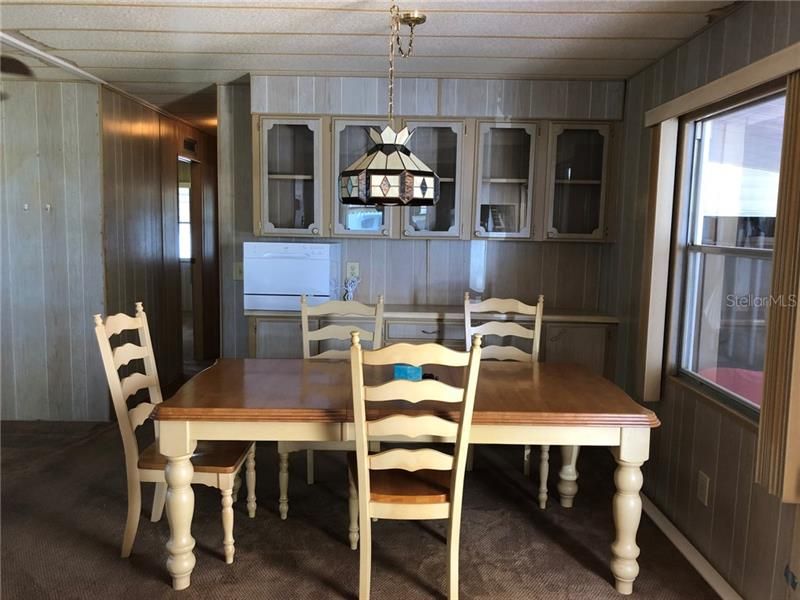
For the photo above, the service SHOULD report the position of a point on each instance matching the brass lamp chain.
(396, 45)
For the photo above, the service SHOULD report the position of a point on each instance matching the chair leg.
(544, 473)
(250, 476)
(453, 540)
(159, 499)
(237, 485)
(352, 506)
(365, 556)
(134, 511)
(283, 484)
(227, 524)
(526, 461)
(470, 457)
(310, 467)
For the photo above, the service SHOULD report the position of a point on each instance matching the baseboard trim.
(689, 552)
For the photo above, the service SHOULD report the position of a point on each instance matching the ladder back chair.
(216, 464)
(406, 484)
(504, 328)
(336, 308)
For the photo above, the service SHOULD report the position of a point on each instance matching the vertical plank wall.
(51, 263)
(140, 182)
(743, 532)
(413, 271)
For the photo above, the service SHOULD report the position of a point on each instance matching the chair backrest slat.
(140, 413)
(135, 382)
(128, 352)
(413, 391)
(116, 324)
(338, 332)
(339, 308)
(412, 427)
(411, 460)
(417, 354)
(505, 328)
(513, 353)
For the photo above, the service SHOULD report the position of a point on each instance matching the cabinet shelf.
(578, 181)
(290, 177)
(504, 180)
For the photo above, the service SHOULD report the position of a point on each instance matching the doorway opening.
(190, 240)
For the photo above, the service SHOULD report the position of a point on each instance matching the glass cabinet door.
(577, 181)
(290, 162)
(351, 140)
(438, 144)
(505, 180)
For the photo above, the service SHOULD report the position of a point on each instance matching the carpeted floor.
(63, 511)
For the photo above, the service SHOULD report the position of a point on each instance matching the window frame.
(683, 250)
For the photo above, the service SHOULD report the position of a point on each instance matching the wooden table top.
(292, 390)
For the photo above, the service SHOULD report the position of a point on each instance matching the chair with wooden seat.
(216, 464)
(510, 329)
(326, 333)
(402, 483)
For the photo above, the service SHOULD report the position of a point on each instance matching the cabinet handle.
(478, 233)
(430, 332)
(384, 232)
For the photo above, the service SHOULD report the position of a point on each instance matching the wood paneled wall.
(491, 98)
(404, 271)
(140, 179)
(744, 531)
(51, 263)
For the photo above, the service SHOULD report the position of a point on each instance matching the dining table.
(539, 403)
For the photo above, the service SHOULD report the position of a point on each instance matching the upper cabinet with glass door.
(289, 186)
(438, 144)
(577, 181)
(504, 194)
(350, 141)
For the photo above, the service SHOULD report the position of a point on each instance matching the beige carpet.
(63, 510)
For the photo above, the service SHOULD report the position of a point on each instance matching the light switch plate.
(703, 482)
(352, 270)
(238, 271)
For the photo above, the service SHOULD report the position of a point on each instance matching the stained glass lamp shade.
(389, 174)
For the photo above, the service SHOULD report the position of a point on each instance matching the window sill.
(732, 407)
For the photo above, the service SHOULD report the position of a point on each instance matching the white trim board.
(689, 552)
(762, 71)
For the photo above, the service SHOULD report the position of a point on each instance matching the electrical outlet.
(238, 271)
(352, 270)
(703, 483)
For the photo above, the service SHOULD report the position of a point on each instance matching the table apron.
(335, 432)
(274, 431)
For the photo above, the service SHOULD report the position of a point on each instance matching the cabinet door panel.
(504, 194)
(581, 344)
(350, 141)
(439, 145)
(577, 180)
(279, 338)
(289, 163)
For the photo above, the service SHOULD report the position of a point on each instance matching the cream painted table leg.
(283, 484)
(174, 443)
(627, 505)
(568, 476)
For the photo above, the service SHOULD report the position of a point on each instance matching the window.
(733, 199)
(184, 222)
(184, 209)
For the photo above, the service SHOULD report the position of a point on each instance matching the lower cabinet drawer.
(444, 332)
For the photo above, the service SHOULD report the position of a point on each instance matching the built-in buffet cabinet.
(586, 339)
(504, 180)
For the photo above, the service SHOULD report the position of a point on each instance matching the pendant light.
(389, 174)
